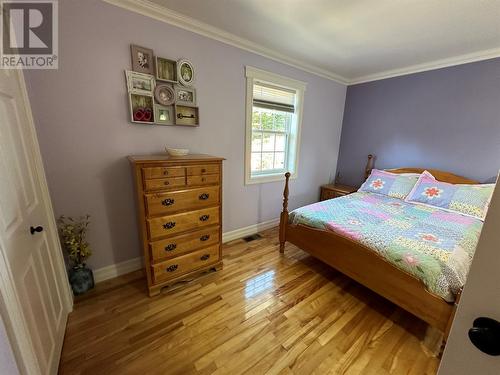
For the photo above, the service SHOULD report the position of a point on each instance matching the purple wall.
(81, 116)
(446, 119)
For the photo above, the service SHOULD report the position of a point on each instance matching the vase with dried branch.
(73, 234)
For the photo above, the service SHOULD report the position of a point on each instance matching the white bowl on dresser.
(177, 151)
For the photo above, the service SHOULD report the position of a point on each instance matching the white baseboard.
(247, 231)
(117, 269)
(134, 264)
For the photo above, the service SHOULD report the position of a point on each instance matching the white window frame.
(292, 156)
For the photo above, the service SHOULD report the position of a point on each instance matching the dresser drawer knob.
(166, 183)
(169, 225)
(203, 170)
(170, 247)
(205, 257)
(165, 172)
(204, 237)
(204, 196)
(203, 179)
(172, 268)
(167, 202)
(204, 217)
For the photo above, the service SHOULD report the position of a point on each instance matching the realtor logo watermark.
(29, 34)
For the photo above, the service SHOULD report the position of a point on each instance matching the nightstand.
(335, 190)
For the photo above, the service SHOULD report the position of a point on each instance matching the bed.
(381, 254)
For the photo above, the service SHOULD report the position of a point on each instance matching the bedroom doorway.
(479, 300)
(35, 298)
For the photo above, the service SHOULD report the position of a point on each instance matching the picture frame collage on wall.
(160, 90)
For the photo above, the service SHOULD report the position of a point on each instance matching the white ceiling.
(353, 40)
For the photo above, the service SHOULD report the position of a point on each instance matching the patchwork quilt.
(433, 244)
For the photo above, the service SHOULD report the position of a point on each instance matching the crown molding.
(149, 9)
(432, 65)
(155, 11)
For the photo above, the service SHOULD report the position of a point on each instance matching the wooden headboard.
(439, 175)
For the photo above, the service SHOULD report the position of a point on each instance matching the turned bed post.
(369, 166)
(284, 215)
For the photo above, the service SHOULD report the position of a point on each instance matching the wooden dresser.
(180, 216)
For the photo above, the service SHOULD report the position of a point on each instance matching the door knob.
(34, 230)
(485, 335)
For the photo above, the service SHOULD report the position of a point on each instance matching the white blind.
(273, 97)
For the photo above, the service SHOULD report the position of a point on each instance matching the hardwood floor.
(262, 314)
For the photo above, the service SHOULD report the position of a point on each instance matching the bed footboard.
(284, 215)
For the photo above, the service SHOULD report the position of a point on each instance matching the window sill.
(249, 180)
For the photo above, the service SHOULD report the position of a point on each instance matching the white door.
(480, 298)
(35, 297)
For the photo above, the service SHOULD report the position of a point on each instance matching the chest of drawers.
(179, 203)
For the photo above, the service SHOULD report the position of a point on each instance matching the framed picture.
(164, 94)
(185, 72)
(140, 83)
(164, 115)
(185, 96)
(188, 116)
(142, 59)
(166, 70)
(141, 108)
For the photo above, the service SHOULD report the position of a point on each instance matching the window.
(274, 114)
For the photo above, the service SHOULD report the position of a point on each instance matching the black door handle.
(34, 230)
(485, 335)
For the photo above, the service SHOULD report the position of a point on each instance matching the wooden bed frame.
(367, 267)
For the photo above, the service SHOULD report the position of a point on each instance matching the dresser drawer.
(330, 194)
(197, 170)
(168, 202)
(209, 179)
(159, 172)
(179, 245)
(185, 263)
(164, 183)
(172, 224)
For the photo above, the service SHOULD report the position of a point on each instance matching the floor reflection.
(259, 284)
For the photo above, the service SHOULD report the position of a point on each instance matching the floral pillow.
(392, 184)
(471, 200)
